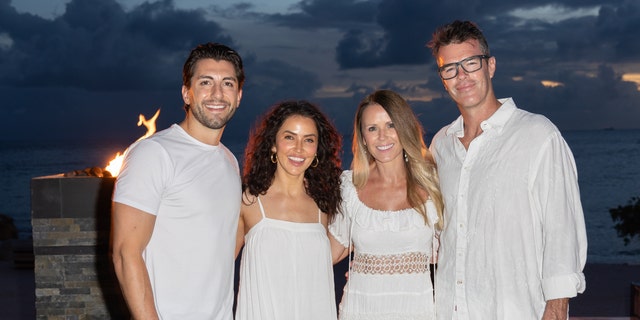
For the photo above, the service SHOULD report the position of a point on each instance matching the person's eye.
(449, 68)
(472, 62)
(230, 84)
(391, 125)
(310, 140)
(205, 82)
(371, 129)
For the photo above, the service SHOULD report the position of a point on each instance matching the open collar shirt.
(514, 232)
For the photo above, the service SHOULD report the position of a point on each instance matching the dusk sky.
(85, 69)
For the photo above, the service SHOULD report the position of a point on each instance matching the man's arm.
(556, 309)
(563, 244)
(131, 231)
(240, 233)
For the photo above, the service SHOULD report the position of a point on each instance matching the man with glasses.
(514, 243)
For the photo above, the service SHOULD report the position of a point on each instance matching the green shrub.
(627, 220)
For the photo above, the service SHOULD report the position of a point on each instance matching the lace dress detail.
(412, 262)
(389, 276)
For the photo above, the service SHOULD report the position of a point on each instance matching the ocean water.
(608, 164)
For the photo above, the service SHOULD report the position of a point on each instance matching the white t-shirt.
(194, 190)
(514, 232)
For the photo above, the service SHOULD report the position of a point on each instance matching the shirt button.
(459, 282)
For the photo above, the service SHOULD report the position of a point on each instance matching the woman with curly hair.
(391, 210)
(291, 183)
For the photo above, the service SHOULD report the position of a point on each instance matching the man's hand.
(556, 309)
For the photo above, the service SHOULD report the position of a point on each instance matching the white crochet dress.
(389, 277)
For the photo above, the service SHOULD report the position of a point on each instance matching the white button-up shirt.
(514, 232)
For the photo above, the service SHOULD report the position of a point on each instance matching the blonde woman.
(391, 211)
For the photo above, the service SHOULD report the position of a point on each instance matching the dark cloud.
(313, 14)
(98, 46)
(618, 27)
(400, 34)
(401, 28)
(359, 49)
(528, 52)
(269, 82)
(90, 71)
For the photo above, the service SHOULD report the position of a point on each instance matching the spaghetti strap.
(319, 216)
(310, 271)
(261, 208)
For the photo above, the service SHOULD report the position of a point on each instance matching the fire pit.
(71, 219)
(71, 225)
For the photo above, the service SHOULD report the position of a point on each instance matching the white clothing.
(514, 232)
(286, 272)
(389, 277)
(194, 191)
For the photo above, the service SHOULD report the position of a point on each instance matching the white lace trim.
(402, 263)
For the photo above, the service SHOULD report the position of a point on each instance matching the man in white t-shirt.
(514, 243)
(177, 199)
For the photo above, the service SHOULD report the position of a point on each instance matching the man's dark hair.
(457, 32)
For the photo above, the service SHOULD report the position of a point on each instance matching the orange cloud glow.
(632, 77)
(551, 84)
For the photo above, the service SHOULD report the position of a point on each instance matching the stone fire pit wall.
(73, 271)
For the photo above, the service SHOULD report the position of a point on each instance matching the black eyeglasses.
(471, 64)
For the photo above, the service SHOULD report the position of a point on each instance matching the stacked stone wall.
(71, 227)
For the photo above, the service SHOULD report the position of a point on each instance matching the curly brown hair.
(322, 182)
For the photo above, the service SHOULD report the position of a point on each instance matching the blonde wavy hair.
(421, 168)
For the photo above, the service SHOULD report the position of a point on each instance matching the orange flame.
(116, 163)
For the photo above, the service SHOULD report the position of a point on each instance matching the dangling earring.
(406, 158)
(274, 158)
(315, 164)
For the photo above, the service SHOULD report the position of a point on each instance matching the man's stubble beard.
(214, 122)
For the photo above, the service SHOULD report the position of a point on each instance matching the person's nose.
(382, 133)
(462, 73)
(216, 91)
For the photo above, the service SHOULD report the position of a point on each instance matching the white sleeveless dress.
(286, 272)
(389, 276)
